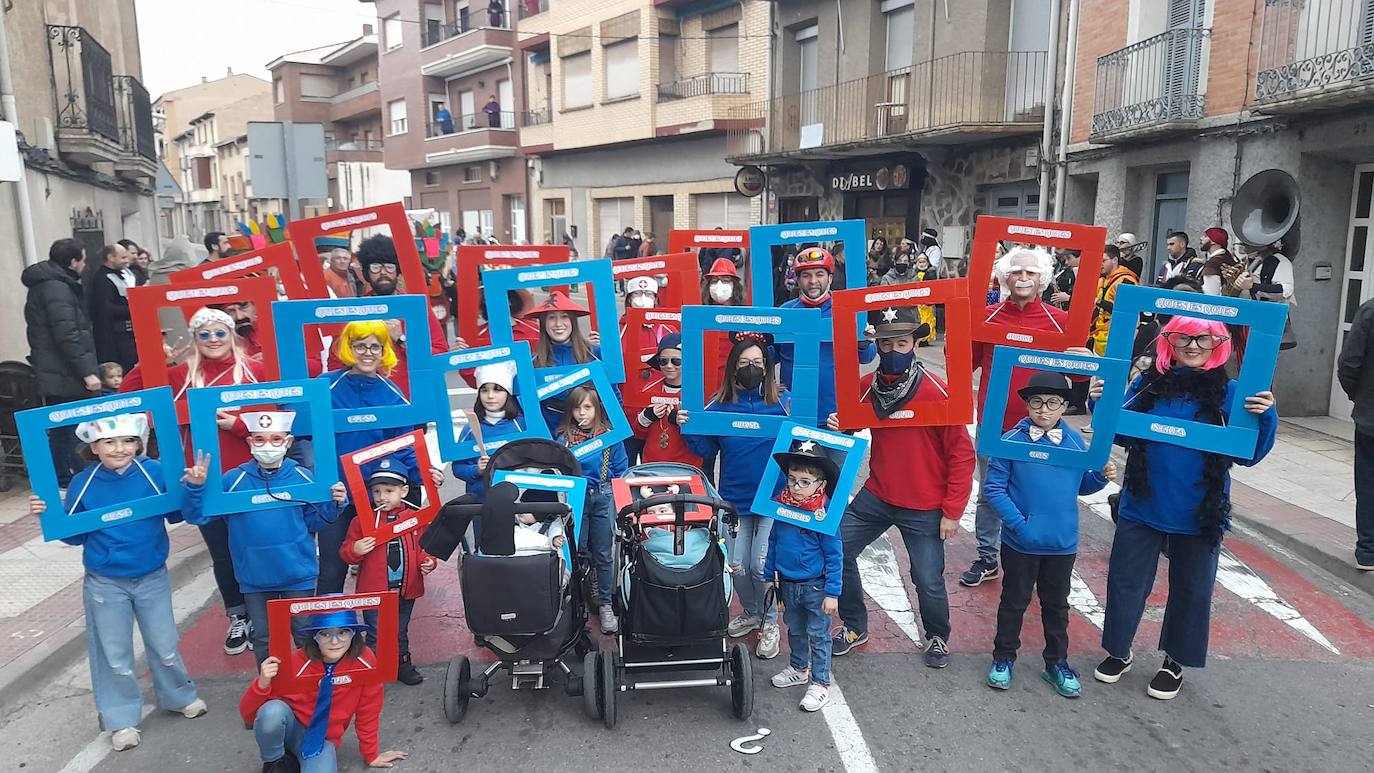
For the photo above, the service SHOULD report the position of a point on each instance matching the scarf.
(810, 304)
(312, 745)
(890, 393)
(811, 504)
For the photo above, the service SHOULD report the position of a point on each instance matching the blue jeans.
(404, 608)
(749, 550)
(257, 613)
(864, 521)
(112, 605)
(1131, 577)
(277, 732)
(987, 524)
(808, 629)
(598, 530)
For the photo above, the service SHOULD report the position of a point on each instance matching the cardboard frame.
(145, 302)
(763, 238)
(282, 640)
(34, 424)
(292, 317)
(302, 234)
(681, 269)
(827, 521)
(1089, 240)
(853, 412)
(801, 326)
(593, 374)
(473, 259)
(574, 488)
(604, 318)
(681, 240)
(468, 359)
(1265, 320)
(623, 494)
(638, 392)
(1114, 372)
(256, 262)
(312, 393)
(360, 494)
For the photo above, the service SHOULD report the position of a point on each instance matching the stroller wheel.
(457, 689)
(591, 685)
(741, 682)
(608, 689)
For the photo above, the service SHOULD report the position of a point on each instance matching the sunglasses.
(674, 361)
(340, 635)
(1053, 403)
(1205, 341)
(206, 335)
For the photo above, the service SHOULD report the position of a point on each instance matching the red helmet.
(557, 301)
(723, 267)
(814, 257)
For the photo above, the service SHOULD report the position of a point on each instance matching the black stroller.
(672, 619)
(517, 606)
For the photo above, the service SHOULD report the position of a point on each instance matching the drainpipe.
(1047, 135)
(1061, 171)
(23, 210)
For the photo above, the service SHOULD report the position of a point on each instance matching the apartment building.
(338, 86)
(208, 187)
(908, 113)
(174, 110)
(1176, 104)
(626, 105)
(86, 139)
(449, 90)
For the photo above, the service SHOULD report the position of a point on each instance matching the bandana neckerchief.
(890, 393)
(811, 504)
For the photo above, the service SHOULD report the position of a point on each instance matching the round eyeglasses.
(339, 635)
(1204, 341)
(206, 335)
(1053, 403)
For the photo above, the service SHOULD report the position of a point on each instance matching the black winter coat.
(110, 319)
(61, 345)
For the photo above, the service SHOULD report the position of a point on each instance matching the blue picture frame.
(1113, 372)
(763, 238)
(292, 317)
(34, 425)
(800, 327)
(574, 487)
(591, 373)
(597, 273)
(828, 521)
(307, 397)
(1240, 436)
(434, 382)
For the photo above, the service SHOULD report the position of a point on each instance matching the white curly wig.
(1044, 267)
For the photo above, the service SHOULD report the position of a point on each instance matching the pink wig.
(1164, 351)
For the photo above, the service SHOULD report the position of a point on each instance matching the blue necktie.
(313, 743)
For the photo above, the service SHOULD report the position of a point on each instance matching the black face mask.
(749, 376)
(901, 268)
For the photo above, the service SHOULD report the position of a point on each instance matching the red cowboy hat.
(723, 267)
(814, 257)
(557, 301)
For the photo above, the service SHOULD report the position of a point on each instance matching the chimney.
(204, 79)
(228, 71)
(367, 29)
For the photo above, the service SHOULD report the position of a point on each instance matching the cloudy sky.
(181, 40)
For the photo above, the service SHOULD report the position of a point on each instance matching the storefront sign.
(882, 178)
(749, 181)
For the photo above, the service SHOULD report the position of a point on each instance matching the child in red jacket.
(657, 426)
(399, 565)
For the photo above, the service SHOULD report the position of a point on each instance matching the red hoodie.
(1037, 315)
(372, 567)
(233, 443)
(653, 434)
(350, 703)
(921, 468)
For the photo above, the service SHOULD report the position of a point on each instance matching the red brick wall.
(1101, 30)
(1231, 74)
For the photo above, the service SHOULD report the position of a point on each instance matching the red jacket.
(350, 703)
(677, 450)
(921, 468)
(372, 567)
(233, 443)
(1037, 315)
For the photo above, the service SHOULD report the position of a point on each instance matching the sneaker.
(1110, 670)
(937, 653)
(236, 640)
(1364, 566)
(195, 708)
(287, 764)
(845, 640)
(1064, 679)
(609, 624)
(817, 695)
(791, 677)
(743, 624)
(407, 673)
(124, 739)
(769, 642)
(999, 677)
(1167, 682)
(981, 570)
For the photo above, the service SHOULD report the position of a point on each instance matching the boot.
(287, 764)
(407, 673)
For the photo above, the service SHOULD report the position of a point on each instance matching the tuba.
(1265, 210)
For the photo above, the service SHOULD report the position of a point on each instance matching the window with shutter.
(1182, 59)
(577, 80)
(622, 68)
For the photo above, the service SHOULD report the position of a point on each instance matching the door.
(1183, 59)
(505, 95)
(1359, 273)
(467, 109)
(517, 219)
(1171, 214)
(661, 217)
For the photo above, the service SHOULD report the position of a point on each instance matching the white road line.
(882, 578)
(1235, 576)
(849, 739)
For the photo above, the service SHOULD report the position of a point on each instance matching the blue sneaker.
(1064, 679)
(1000, 676)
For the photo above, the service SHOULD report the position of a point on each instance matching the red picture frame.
(281, 640)
(637, 391)
(623, 494)
(472, 259)
(957, 407)
(681, 269)
(358, 490)
(301, 234)
(257, 262)
(145, 302)
(1089, 240)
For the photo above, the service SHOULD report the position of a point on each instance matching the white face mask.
(722, 291)
(269, 456)
(641, 301)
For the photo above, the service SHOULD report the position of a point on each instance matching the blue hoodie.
(1038, 503)
(825, 380)
(563, 358)
(131, 549)
(1176, 488)
(742, 459)
(613, 456)
(350, 390)
(466, 470)
(273, 548)
(800, 554)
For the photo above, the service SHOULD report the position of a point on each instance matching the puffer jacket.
(61, 344)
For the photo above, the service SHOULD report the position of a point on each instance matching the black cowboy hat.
(897, 321)
(1045, 383)
(813, 454)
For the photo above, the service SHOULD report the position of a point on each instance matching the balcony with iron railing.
(475, 41)
(134, 114)
(1154, 86)
(470, 138)
(87, 118)
(958, 98)
(1315, 55)
(704, 85)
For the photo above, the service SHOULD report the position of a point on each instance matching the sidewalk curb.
(48, 659)
(1325, 543)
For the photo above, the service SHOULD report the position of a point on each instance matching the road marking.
(882, 578)
(1235, 576)
(849, 739)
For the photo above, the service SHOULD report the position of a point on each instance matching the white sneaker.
(770, 642)
(791, 677)
(743, 623)
(195, 708)
(124, 739)
(1364, 566)
(817, 695)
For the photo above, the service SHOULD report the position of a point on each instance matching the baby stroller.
(517, 606)
(673, 619)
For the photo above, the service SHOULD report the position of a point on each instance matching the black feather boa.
(1207, 389)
